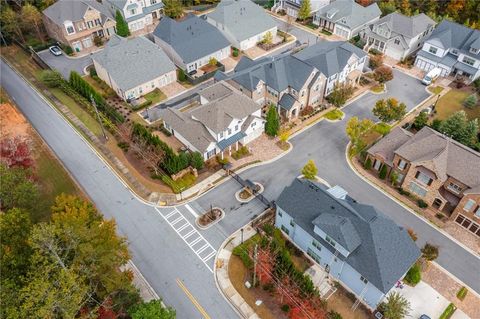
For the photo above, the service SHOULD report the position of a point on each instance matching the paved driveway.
(65, 64)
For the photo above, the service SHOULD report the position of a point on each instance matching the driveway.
(65, 64)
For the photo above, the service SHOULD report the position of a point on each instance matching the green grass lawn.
(156, 96)
(435, 89)
(453, 102)
(382, 128)
(378, 88)
(334, 115)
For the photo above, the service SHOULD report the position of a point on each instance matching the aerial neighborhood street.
(289, 160)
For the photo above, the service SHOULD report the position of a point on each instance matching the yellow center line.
(192, 299)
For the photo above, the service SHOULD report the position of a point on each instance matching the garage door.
(424, 65)
(468, 224)
(341, 32)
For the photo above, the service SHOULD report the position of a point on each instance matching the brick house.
(431, 166)
(77, 23)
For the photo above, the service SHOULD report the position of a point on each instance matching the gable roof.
(64, 10)
(409, 27)
(449, 34)
(386, 147)
(192, 38)
(382, 252)
(330, 57)
(134, 61)
(349, 13)
(242, 18)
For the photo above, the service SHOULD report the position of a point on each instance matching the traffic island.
(249, 192)
(213, 216)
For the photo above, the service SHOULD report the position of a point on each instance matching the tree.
(356, 129)
(212, 61)
(196, 160)
(173, 8)
(30, 17)
(394, 178)
(368, 164)
(122, 25)
(51, 78)
(406, 8)
(420, 120)
(413, 275)
(18, 188)
(376, 61)
(310, 170)
(15, 152)
(340, 94)
(430, 252)
(396, 306)
(268, 38)
(383, 172)
(304, 11)
(471, 101)
(389, 110)
(272, 124)
(387, 7)
(458, 127)
(383, 74)
(9, 24)
(151, 310)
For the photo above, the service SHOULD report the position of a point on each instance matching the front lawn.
(453, 102)
(435, 89)
(334, 115)
(180, 184)
(379, 88)
(155, 97)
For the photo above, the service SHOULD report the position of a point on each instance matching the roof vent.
(332, 207)
(338, 192)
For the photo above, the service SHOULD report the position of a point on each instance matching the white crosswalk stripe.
(199, 245)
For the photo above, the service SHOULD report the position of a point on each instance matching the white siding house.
(139, 14)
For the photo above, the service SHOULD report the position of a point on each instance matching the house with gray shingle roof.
(346, 18)
(291, 7)
(339, 61)
(133, 67)
(77, 23)
(284, 81)
(356, 244)
(433, 167)
(139, 14)
(397, 35)
(453, 48)
(223, 120)
(242, 22)
(191, 42)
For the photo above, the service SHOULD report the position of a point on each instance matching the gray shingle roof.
(64, 10)
(384, 251)
(409, 27)
(192, 38)
(339, 229)
(243, 18)
(449, 34)
(134, 61)
(287, 101)
(387, 146)
(330, 57)
(349, 13)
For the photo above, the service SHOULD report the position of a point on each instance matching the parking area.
(65, 64)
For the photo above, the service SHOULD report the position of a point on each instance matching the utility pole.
(255, 265)
(98, 116)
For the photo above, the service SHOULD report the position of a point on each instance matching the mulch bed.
(210, 216)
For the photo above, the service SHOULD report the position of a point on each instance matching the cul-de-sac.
(224, 159)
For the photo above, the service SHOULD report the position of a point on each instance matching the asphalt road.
(65, 64)
(157, 250)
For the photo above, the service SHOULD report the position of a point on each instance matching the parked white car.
(55, 50)
(431, 76)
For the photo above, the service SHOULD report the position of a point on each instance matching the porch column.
(230, 150)
(236, 146)
(221, 152)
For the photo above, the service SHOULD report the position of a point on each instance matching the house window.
(70, 29)
(397, 41)
(454, 188)
(417, 189)
(330, 241)
(423, 178)
(477, 212)
(285, 230)
(454, 51)
(433, 50)
(333, 77)
(280, 213)
(303, 93)
(468, 205)
(153, 2)
(90, 24)
(221, 134)
(314, 256)
(236, 128)
(132, 12)
(292, 223)
(376, 165)
(468, 60)
(253, 124)
(229, 131)
(402, 164)
(473, 50)
(364, 280)
(316, 244)
(97, 22)
(317, 87)
(152, 84)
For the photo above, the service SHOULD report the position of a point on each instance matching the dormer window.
(454, 51)
(152, 2)
(69, 27)
(397, 41)
(468, 60)
(473, 50)
(330, 241)
(432, 50)
(133, 11)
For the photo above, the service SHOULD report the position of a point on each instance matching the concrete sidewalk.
(147, 293)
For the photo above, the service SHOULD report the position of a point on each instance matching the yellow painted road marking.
(192, 299)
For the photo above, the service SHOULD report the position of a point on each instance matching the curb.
(275, 50)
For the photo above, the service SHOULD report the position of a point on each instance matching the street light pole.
(98, 116)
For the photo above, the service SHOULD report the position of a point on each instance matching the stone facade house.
(453, 48)
(133, 67)
(355, 243)
(285, 81)
(77, 23)
(139, 14)
(435, 168)
(192, 42)
(242, 22)
(346, 18)
(339, 61)
(223, 120)
(397, 35)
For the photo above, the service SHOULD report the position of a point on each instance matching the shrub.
(368, 164)
(436, 124)
(196, 160)
(448, 312)
(67, 49)
(97, 41)
(333, 315)
(462, 293)
(383, 172)
(285, 308)
(471, 101)
(235, 52)
(421, 203)
(181, 75)
(430, 252)
(382, 128)
(272, 124)
(310, 170)
(413, 275)
(403, 192)
(223, 161)
(376, 61)
(93, 72)
(375, 52)
(124, 146)
(122, 25)
(412, 234)
(420, 120)
(307, 110)
(340, 94)
(394, 178)
(212, 61)
(383, 74)
(51, 79)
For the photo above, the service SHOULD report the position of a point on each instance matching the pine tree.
(310, 170)
(122, 26)
(273, 123)
(304, 11)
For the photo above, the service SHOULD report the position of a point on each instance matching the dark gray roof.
(134, 61)
(384, 251)
(349, 13)
(192, 38)
(449, 34)
(287, 101)
(407, 26)
(243, 18)
(120, 4)
(330, 57)
(64, 10)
